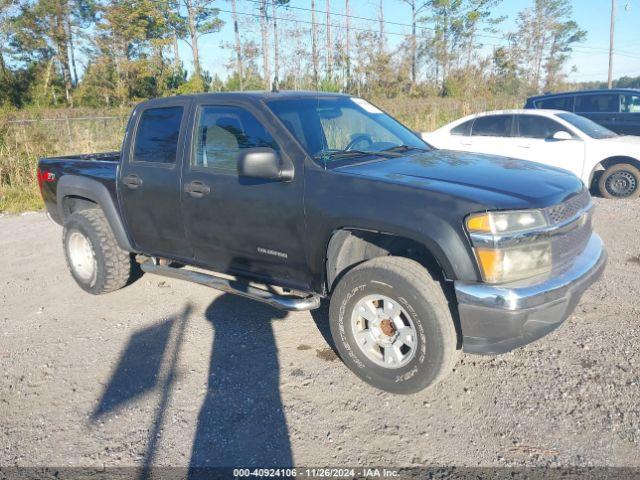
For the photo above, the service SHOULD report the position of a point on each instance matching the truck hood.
(490, 181)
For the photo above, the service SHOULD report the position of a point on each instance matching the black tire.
(620, 181)
(112, 267)
(409, 284)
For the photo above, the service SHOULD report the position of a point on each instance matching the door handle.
(525, 145)
(467, 143)
(132, 181)
(197, 189)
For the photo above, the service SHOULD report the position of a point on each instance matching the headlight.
(502, 247)
(506, 222)
(515, 263)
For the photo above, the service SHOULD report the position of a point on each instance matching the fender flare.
(77, 186)
(455, 260)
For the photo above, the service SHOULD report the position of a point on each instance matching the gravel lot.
(169, 373)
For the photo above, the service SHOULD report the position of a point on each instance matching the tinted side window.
(223, 132)
(492, 126)
(463, 129)
(556, 103)
(532, 126)
(608, 103)
(157, 135)
(630, 103)
(293, 122)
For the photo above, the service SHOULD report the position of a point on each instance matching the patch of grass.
(48, 133)
(20, 199)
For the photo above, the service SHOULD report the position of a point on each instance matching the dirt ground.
(165, 373)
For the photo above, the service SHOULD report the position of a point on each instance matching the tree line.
(115, 52)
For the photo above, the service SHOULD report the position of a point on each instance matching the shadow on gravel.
(241, 421)
(138, 370)
(149, 362)
(321, 319)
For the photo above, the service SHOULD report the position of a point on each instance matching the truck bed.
(102, 167)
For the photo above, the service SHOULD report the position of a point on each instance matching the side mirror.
(262, 162)
(562, 135)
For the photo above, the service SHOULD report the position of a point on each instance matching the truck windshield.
(339, 128)
(587, 126)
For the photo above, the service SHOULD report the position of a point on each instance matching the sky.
(590, 58)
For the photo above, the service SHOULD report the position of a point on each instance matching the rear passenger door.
(149, 179)
(236, 224)
(493, 134)
(534, 135)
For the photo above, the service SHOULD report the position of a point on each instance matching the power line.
(376, 20)
(579, 49)
(582, 49)
(294, 20)
(615, 52)
(339, 14)
(423, 27)
(585, 75)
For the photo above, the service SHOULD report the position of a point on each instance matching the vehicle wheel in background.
(392, 325)
(620, 181)
(94, 258)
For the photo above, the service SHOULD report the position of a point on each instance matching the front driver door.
(236, 224)
(536, 142)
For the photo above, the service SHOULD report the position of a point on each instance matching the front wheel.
(620, 181)
(392, 325)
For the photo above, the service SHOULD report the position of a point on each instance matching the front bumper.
(496, 319)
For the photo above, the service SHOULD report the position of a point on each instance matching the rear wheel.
(392, 325)
(620, 181)
(93, 256)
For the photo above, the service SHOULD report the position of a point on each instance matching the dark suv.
(617, 109)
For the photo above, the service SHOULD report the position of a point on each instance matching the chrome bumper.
(496, 319)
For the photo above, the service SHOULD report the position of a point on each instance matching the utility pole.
(264, 30)
(347, 46)
(611, 39)
(276, 46)
(314, 45)
(329, 42)
(238, 45)
(381, 20)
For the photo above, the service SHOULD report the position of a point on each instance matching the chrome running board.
(236, 287)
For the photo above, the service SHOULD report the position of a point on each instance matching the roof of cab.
(253, 95)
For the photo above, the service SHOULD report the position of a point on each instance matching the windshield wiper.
(404, 148)
(324, 156)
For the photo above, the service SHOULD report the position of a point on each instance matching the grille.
(565, 211)
(565, 247)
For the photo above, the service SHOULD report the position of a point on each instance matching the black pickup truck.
(294, 197)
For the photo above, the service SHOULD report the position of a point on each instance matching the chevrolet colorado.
(293, 197)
